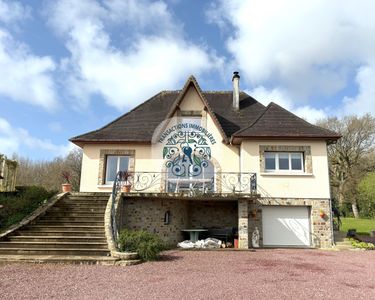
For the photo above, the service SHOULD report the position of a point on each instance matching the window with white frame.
(191, 119)
(284, 162)
(115, 163)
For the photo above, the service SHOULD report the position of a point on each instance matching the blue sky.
(68, 67)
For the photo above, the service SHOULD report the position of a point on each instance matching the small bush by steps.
(147, 245)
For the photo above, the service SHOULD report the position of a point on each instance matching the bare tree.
(74, 163)
(347, 156)
(48, 174)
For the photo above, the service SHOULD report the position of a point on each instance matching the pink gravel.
(264, 274)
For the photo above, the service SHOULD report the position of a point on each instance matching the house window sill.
(286, 174)
(104, 186)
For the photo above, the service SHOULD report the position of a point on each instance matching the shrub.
(362, 245)
(17, 206)
(147, 245)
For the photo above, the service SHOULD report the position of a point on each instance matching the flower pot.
(126, 188)
(66, 187)
(253, 213)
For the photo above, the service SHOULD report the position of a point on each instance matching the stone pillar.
(243, 224)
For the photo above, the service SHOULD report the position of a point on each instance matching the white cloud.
(265, 96)
(56, 127)
(307, 48)
(13, 139)
(364, 101)
(282, 98)
(310, 114)
(125, 77)
(11, 12)
(144, 15)
(25, 77)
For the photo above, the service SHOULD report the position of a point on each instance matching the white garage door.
(286, 226)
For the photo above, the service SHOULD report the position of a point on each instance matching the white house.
(217, 161)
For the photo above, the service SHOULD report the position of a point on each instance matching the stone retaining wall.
(149, 213)
(320, 227)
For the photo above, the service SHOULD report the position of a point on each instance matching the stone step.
(90, 194)
(54, 251)
(53, 245)
(66, 204)
(57, 259)
(68, 208)
(43, 228)
(86, 200)
(68, 223)
(343, 243)
(69, 218)
(77, 212)
(58, 238)
(63, 233)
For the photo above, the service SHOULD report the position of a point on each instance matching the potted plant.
(126, 186)
(66, 186)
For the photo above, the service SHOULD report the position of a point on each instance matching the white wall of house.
(289, 185)
(90, 163)
(230, 158)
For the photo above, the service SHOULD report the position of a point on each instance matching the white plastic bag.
(211, 243)
(186, 244)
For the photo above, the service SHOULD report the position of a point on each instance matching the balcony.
(206, 183)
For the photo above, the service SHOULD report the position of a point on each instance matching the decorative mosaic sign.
(187, 149)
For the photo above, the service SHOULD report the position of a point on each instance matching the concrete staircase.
(71, 231)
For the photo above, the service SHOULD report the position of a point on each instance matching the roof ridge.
(256, 120)
(308, 123)
(118, 118)
(192, 80)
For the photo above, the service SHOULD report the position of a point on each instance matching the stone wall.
(206, 214)
(148, 214)
(321, 234)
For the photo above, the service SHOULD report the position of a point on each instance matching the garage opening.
(218, 218)
(286, 226)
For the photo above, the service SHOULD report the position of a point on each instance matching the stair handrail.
(116, 190)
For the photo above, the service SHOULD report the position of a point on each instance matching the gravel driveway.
(264, 274)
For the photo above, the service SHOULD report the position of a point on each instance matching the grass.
(363, 226)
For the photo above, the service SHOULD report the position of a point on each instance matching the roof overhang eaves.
(329, 139)
(81, 142)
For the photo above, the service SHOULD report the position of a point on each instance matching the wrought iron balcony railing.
(164, 182)
(206, 183)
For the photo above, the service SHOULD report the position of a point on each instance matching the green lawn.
(363, 226)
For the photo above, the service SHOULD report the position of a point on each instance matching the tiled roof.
(277, 122)
(253, 119)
